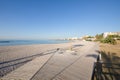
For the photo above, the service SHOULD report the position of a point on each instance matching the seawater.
(29, 42)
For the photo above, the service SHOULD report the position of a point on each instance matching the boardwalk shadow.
(110, 66)
(8, 66)
(78, 45)
(92, 55)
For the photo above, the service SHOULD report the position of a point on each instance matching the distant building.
(110, 33)
(88, 38)
(74, 38)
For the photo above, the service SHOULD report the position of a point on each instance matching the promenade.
(73, 62)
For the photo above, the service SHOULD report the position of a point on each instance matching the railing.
(106, 71)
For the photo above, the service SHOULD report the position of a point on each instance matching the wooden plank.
(26, 71)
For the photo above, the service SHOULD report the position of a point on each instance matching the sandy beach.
(13, 52)
(73, 60)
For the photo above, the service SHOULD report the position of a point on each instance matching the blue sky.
(48, 19)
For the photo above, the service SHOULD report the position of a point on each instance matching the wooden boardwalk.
(26, 71)
(61, 65)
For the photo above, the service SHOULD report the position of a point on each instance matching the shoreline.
(18, 51)
(69, 57)
(30, 42)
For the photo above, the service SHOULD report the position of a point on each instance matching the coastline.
(18, 51)
(30, 42)
(68, 56)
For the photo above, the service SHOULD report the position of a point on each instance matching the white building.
(110, 33)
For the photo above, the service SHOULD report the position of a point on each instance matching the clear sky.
(47, 19)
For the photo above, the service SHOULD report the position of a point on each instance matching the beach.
(18, 51)
(70, 61)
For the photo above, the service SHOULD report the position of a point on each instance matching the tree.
(99, 37)
(109, 40)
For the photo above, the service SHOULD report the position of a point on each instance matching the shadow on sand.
(110, 67)
(78, 45)
(92, 55)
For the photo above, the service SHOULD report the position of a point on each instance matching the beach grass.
(109, 48)
(111, 54)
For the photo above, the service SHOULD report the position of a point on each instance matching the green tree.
(109, 40)
(99, 37)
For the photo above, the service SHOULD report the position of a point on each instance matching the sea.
(29, 42)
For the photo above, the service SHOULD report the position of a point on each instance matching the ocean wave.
(4, 41)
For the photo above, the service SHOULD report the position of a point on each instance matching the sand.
(74, 60)
(13, 52)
